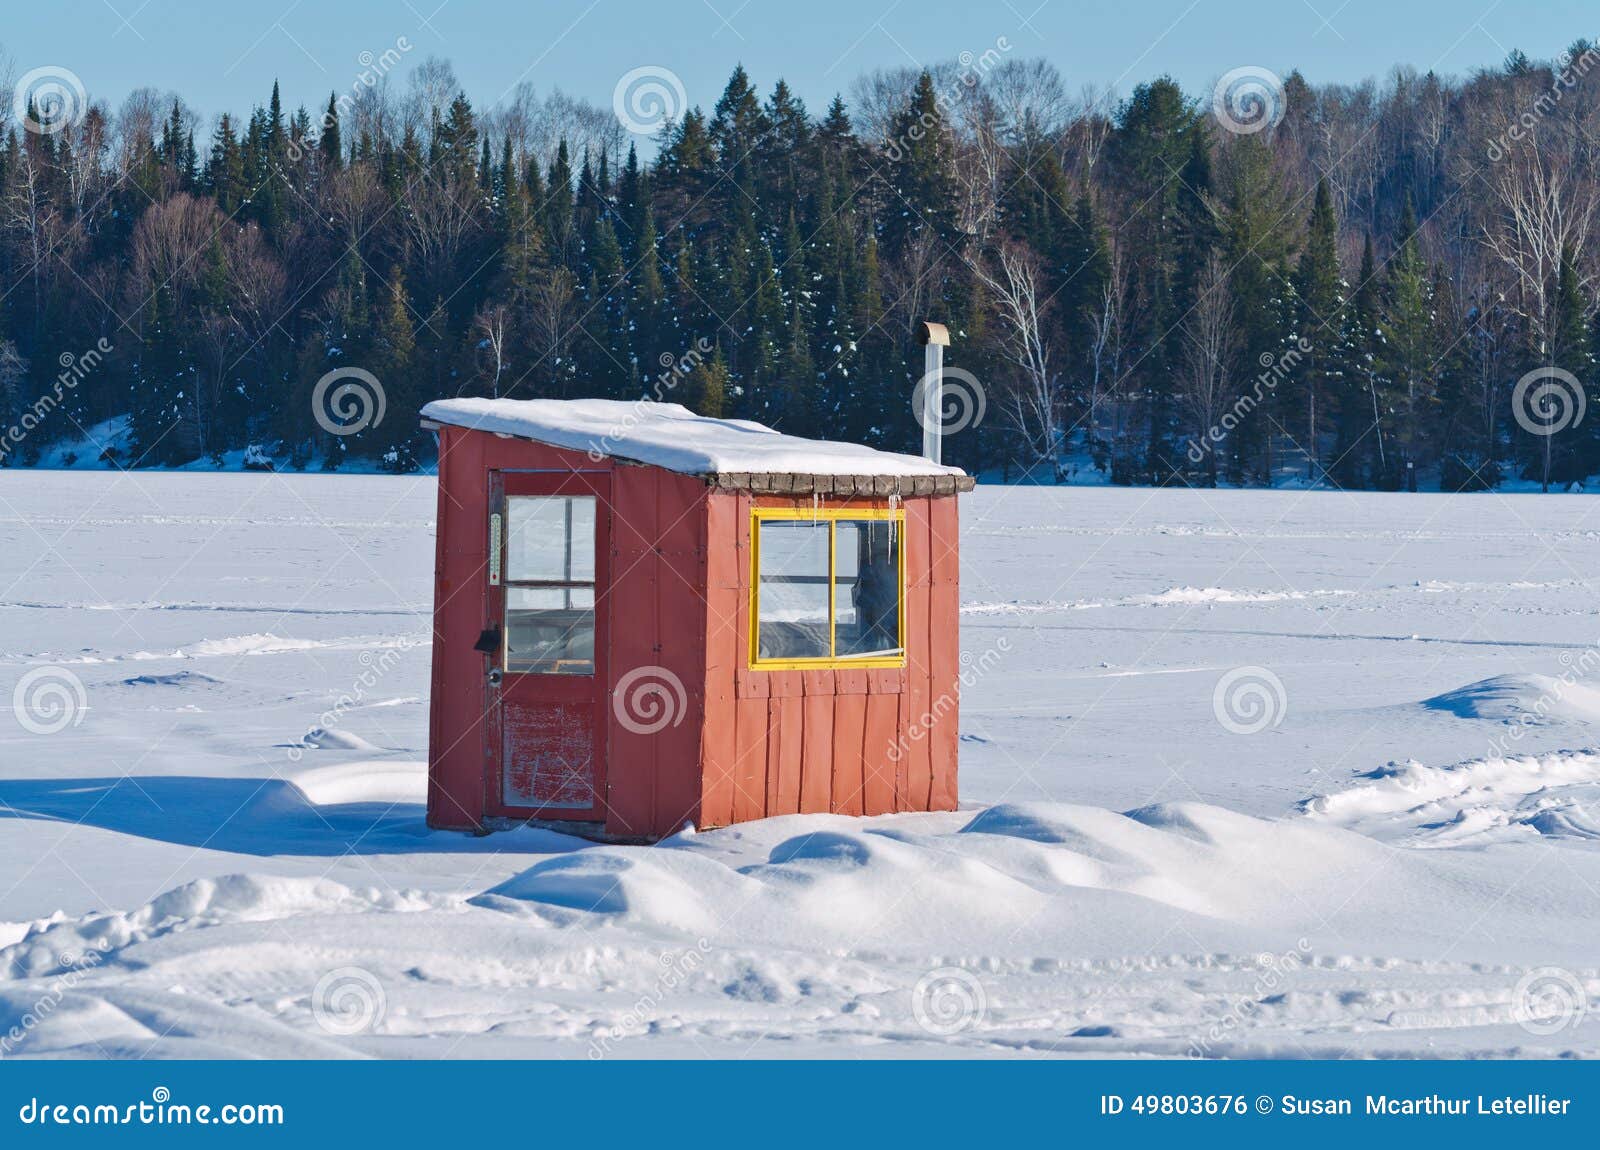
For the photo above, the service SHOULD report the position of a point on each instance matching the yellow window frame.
(832, 516)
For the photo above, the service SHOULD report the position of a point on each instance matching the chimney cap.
(933, 333)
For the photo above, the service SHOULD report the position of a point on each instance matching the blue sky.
(223, 54)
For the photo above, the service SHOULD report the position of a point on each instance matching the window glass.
(550, 630)
(550, 539)
(793, 594)
(549, 581)
(866, 598)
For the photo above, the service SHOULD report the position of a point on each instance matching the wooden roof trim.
(875, 486)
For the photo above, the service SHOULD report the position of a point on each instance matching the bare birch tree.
(1209, 335)
(1013, 285)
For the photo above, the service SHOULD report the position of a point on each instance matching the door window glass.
(549, 595)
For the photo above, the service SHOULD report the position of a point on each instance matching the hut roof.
(734, 453)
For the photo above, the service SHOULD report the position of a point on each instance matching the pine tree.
(224, 176)
(457, 143)
(1254, 222)
(708, 385)
(270, 197)
(1320, 294)
(1196, 223)
(558, 221)
(414, 358)
(517, 232)
(1152, 140)
(331, 143)
(612, 371)
(738, 127)
(1409, 354)
(787, 139)
(920, 195)
(1359, 449)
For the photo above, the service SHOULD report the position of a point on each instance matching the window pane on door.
(550, 538)
(866, 598)
(793, 598)
(550, 630)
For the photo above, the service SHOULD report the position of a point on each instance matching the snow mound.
(1056, 927)
(674, 889)
(1184, 596)
(362, 782)
(1469, 803)
(175, 679)
(1187, 596)
(1189, 856)
(952, 881)
(118, 1022)
(1521, 698)
(57, 945)
(845, 884)
(334, 739)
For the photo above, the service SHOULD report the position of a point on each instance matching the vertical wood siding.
(812, 741)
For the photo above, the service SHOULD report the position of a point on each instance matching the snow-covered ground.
(1246, 773)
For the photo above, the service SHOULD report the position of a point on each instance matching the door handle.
(495, 675)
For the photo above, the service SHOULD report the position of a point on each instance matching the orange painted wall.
(802, 742)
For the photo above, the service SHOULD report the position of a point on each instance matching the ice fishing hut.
(645, 618)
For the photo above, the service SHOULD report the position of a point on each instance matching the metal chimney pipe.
(934, 338)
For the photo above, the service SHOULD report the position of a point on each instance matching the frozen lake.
(1355, 734)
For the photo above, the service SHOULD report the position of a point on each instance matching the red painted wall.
(657, 539)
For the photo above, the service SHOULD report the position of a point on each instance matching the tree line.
(1377, 285)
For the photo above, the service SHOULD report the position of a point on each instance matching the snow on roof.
(670, 436)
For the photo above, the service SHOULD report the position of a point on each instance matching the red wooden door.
(547, 641)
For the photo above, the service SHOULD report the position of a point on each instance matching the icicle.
(816, 507)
